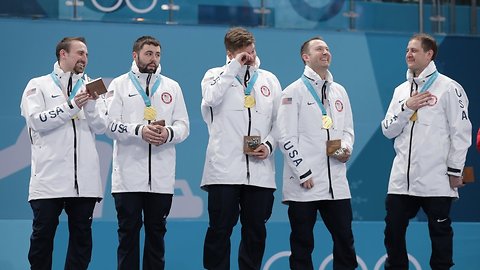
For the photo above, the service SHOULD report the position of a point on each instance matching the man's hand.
(417, 101)
(456, 181)
(261, 152)
(343, 157)
(152, 134)
(245, 58)
(81, 99)
(308, 184)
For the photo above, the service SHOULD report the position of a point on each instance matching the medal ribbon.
(250, 84)
(424, 88)
(429, 82)
(141, 91)
(314, 94)
(77, 85)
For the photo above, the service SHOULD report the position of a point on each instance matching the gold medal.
(75, 117)
(149, 113)
(327, 122)
(249, 101)
(414, 116)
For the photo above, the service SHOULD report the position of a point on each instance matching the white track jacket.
(433, 146)
(228, 121)
(64, 157)
(303, 139)
(137, 165)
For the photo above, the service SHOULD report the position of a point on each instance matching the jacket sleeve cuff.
(73, 108)
(304, 177)
(171, 134)
(454, 172)
(405, 111)
(269, 146)
(138, 131)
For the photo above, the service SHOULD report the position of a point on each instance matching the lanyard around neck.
(141, 91)
(314, 94)
(77, 86)
(429, 82)
(250, 83)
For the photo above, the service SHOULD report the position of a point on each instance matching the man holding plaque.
(316, 138)
(239, 105)
(428, 118)
(147, 118)
(62, 119)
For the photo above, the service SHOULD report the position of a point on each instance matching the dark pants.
(400, 209)
(225, 204)
(44, 226)
(337, 216)
(156, 208)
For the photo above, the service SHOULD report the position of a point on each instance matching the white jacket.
(303, 139)
(228, 121)
(435, 145)
(134, 168)
(64, 157)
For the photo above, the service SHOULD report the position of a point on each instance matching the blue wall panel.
(368, 65)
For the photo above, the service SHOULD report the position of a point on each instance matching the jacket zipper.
(248, 134)
(330, 187)
(75, 165)
(411, 139)
(409, 157)
(149, 145)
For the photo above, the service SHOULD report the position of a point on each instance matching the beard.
(79, 67)
(146, 67)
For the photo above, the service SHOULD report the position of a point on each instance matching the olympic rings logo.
(129, 4)
(329, 258)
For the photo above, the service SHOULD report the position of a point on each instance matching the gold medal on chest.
(149, 113)
(249, 101)
(327, 122)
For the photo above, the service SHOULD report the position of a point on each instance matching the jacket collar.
(64, 76)
(313, 76)
(422, 77)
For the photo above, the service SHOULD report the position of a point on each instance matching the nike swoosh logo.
(310, 103)
(132, 95)
(441, 220)
(401, 100)
(55, 96)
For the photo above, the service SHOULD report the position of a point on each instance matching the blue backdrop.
(369, 65)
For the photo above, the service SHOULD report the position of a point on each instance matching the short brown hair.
(306, 46)
(145, 40)
(65, 43)
(428, 43)
(237, 38)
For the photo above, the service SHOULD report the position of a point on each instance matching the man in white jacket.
(239, 105)
(147, 118)
(316, 138)
(428, 118)
(62, 118)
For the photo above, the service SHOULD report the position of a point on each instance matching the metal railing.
(435, 16)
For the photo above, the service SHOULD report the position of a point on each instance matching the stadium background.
(368, 59)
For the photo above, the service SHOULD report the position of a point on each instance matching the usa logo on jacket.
(338, 105)
(166, 98)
